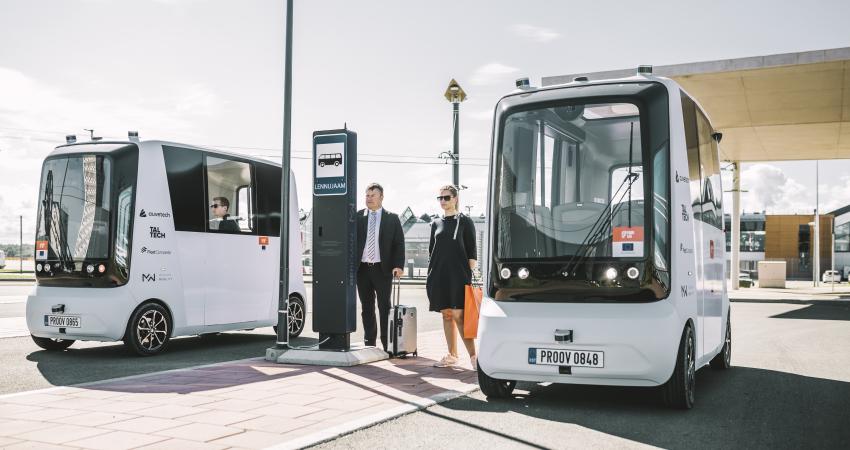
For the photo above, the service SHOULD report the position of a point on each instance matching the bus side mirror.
(717, 136)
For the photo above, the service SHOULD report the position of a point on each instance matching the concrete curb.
(833, 302)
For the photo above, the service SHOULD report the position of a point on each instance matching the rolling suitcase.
(402, 326)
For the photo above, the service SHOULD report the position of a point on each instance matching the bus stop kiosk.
(335, 259)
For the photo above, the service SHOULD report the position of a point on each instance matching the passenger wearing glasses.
(453, 257)
(222, 220)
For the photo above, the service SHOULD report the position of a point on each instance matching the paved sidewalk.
(795, 291)
(240, 404)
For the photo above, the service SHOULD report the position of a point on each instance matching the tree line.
(14, 249)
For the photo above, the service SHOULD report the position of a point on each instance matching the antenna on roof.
(92, 136)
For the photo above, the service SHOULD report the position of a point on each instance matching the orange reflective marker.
(264, 240)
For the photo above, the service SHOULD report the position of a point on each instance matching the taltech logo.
(156, 234)
(143, 213)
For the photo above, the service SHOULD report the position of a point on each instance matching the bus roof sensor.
(644, 70)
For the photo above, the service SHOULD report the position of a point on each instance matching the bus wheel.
(297, 316)
(723, 360)
(321, 164)
(149, 330)
(52, 344)
(336, 163)
(494, 388)
(678, 391)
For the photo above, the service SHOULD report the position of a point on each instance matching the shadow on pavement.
(82, 365)
(818, 312)
(741, 407)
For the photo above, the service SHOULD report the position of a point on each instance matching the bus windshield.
(581, 194)
(566, 186)
(74, 208)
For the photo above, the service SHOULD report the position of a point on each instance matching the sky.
(210, 73)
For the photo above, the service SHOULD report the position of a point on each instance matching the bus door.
(234, 286)
(712, 214)
(697, 218)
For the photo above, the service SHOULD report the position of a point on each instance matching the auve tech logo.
(144, 213)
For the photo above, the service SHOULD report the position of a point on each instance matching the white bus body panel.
(209, 282)
(640, 340)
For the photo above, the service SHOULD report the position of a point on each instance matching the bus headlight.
(611, 273)
(90, 269)
(47, 267)
(505, 273)
(632, 272)
(38, 267)
(522, 273)
(101, 268)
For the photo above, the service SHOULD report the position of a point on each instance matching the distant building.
(842, 240)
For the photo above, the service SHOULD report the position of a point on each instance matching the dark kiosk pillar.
(334, 238)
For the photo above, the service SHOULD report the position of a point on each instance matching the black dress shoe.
(369, 344)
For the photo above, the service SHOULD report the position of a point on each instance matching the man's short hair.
(375, 186)
(222, 202)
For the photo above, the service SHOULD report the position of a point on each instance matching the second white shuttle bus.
(605, 258)
(144, 241)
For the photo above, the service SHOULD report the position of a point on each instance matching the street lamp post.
(455, 94)
(21, 245)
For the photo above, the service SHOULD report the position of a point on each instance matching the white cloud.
(536, 34)
(486, 114)
(492, 73)
(770, 189)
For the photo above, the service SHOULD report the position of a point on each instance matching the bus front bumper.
(638, 342)
(87, 314)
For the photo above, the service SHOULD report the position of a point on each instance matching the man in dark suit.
(380, 244)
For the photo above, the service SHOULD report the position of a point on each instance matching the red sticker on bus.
(628, 234)
(41, 245)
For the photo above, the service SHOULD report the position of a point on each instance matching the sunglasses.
(444, 198)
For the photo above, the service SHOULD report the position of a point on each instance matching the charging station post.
(334, 237)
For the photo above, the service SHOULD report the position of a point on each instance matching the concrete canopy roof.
(778, 107)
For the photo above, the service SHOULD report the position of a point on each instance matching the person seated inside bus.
(222, 220)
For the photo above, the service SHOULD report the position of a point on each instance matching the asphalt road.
(790, 388)
(26, 366)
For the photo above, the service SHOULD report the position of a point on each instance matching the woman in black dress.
(453, 256)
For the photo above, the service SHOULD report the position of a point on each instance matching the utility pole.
(455, 94)
(21, 245)
(282, 341)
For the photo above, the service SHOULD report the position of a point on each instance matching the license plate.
(52, 320)
(563, 357)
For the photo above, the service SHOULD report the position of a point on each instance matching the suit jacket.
(390, 239)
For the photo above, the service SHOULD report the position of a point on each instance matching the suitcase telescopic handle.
(396, 290)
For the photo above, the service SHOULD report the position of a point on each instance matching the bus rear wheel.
(678, 391)
(149, 330)
(297, 317)
(52, 344)
(494, 388)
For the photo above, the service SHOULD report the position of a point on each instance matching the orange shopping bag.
(471, 310)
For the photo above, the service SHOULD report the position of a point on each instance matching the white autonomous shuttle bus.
(606, 248)
(145, 241)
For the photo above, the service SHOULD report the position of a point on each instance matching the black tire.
(50, 344)
(494, 388)
(678, 391)
(297, 316)
(723, 360)
(321, 164)
(149, 330)
(336, 163)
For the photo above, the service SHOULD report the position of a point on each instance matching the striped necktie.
(371, 238)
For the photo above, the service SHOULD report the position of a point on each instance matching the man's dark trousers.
(372, 282)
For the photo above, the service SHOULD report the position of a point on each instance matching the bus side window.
(230, 196)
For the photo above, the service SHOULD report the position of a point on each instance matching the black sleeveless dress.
(448, 268)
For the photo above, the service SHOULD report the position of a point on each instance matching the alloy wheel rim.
(296, 316)
(690, 375)
(151, 330)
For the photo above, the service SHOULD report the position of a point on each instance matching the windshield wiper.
(601, 225)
